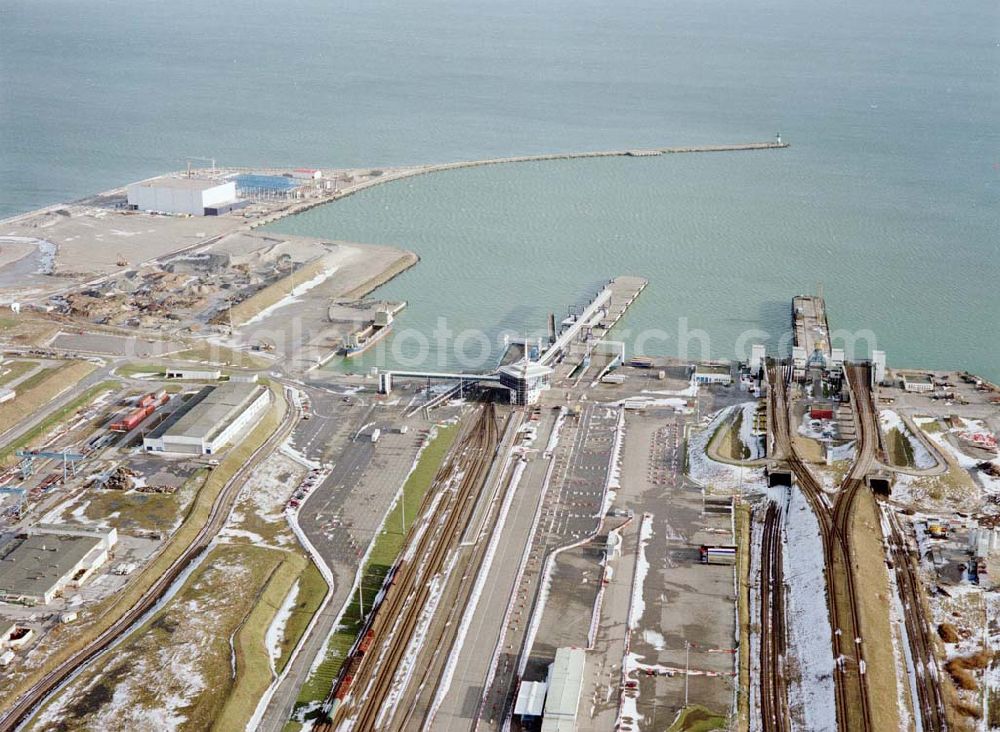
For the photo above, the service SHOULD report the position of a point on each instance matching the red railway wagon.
(133, 419)
(154, 399)
(366, 642)
(348, 679)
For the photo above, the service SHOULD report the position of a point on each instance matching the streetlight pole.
(402, 508)
(687, 669)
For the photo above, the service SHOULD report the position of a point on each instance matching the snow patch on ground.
(158, 682)
(712, 474)
(753, 443)
(638, 606)
(922, 458)
(690, 391)
(756, 539)
(276, 630)
(811, 695)
(654, 639)
(294, 296)
(989, 484)
(614, 466)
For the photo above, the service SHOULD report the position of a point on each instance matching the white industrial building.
(712, 374)
(51, 558)
(799, 358)
(530, 703)
(836, 364)
(526, 380)
(194, 374)
(565, 684)
(918, 383)
(757, 355)
(307, 174)
(181, 195)
(210, 420)
(878, 361)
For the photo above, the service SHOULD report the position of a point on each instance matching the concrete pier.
(624, 291)
(812, 331)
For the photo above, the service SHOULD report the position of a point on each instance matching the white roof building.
(530, 699)
(214, 417)
(878, 361)
(526, 380)
(836, 359)
(194, 374)
(565, 683)
(712, 374)
(918, 383)
(307, 174)
(180, 195)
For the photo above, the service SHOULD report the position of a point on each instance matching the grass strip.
(39, 389)
(253, 667)
(696, 718)
(15, 370)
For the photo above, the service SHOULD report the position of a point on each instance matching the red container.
(821, 412)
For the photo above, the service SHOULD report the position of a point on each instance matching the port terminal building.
(50, 558)
(210, 419)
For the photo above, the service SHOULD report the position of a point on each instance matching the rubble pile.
(121, 479)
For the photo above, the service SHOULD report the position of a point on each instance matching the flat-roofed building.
(530, 700)
(799, 358)
(181, 195)
(210, 419)
(713, 374)
(307, 174)
(194, 374)
(918, 383)
(878, 364)
(526, 380)
(563, 697)
(37, 568)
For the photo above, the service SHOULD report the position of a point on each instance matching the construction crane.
(198, 157)
(21, 493)
(69, 461)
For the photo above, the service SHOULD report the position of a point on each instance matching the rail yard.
(202, 527)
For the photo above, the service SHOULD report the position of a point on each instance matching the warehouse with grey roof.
(38, 567)
(210, 419)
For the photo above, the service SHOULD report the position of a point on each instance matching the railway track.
(28, 702)
(432, 543)
(919, 637)
(418, 706)
(773, 690)
(851, 686)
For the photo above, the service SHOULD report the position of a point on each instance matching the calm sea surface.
(889, 195)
